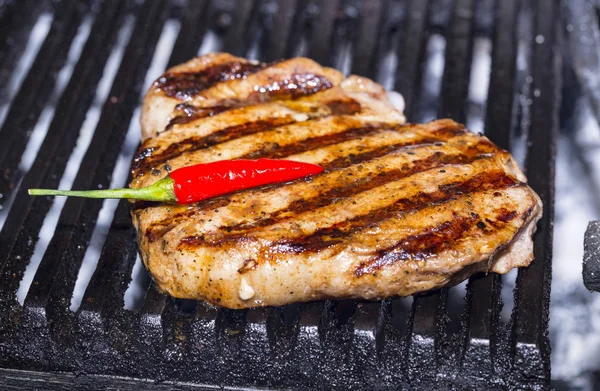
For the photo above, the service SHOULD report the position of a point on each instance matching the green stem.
(162, 191)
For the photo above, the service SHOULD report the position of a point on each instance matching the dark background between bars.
(437, 342)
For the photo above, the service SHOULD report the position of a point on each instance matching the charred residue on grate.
(446, 338)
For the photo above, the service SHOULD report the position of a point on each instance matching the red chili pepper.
(202, 181)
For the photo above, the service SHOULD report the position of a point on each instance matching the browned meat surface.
(399, 209)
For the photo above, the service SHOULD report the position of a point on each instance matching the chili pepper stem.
(162, 190)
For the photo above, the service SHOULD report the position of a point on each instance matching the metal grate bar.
(532, 295)
(322, 32)
(483, 332)
(279, 37)
(236, 41)
(191, 34)
(455, 83)
(230, 331)
(154, 305)
(202, 347)
(336, 331)
(454, 92)
(255, 349)
(176, 332)
(298, 33)
(101, 321)
(367, 337)
(282, 329)
(27, 106)
(412, 55)
(195, 18)
(424, 310)
(425, 334)
(391, 338)
(420, 325)
(369, 37)
(484, 291)
(309, 348)
(499, 114)
(149, 340)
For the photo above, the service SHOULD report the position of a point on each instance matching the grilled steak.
(399, 209)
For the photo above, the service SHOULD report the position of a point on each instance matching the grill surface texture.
(456, 338)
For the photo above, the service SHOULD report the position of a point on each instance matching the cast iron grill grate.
(393, 344)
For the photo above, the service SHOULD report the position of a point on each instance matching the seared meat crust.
(399, 209)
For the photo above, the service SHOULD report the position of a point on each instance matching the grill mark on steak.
(343, 106)
(291, 88)
(187, 113)
(420, 246)
(298, 86)
(276, 151)
(432, 241)
(185, 85)
(325, 237)
(351, 159)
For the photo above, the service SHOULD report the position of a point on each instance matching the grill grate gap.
(508, 286)
(386, 70)
(137, 287)
(211, 43)
(479, 84)
(427, 107)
